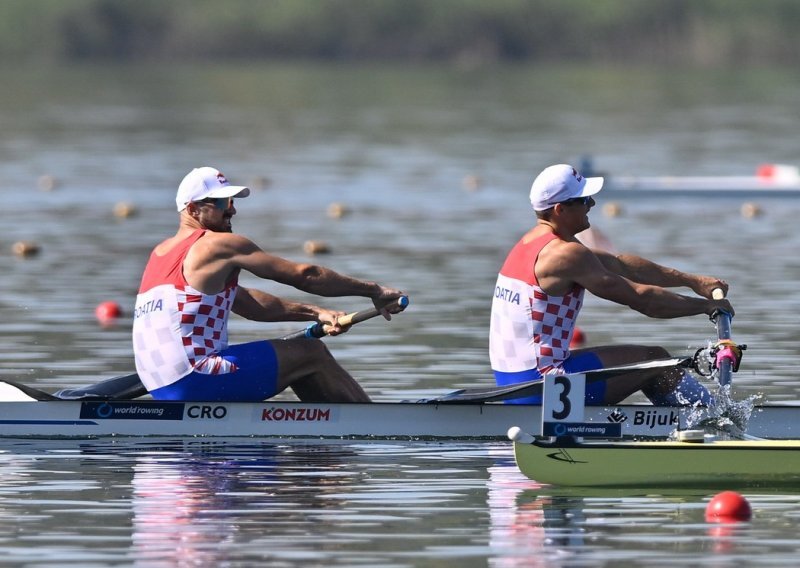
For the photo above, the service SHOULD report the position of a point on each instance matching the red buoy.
(766, 170)
(728, 507)
(107, 312)
(578, 338)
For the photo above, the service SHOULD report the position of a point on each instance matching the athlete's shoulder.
(565, 259)
(227, 241)
(568, 246)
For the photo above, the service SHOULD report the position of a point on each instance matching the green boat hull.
(728, 464)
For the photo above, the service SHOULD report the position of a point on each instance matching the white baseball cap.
(204, 182)
(561, 182)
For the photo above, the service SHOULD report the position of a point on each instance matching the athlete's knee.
(316, 348)
(299, 344)
(302, 353)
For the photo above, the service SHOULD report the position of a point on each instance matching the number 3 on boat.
(563, 404)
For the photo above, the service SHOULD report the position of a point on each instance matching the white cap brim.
(229, 191)
(593, 185)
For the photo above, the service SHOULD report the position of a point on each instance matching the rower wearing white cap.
(539, 294)
(190, 286)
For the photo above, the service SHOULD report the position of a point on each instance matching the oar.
(318, 330)
(534, 387)
(725, 357)
(124, 387)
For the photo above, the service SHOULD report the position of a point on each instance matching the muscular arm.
(216, 256)
(260, 306)
(643, 271)
(571, 262)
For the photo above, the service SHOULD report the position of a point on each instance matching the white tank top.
(177, 329)
(530, 329)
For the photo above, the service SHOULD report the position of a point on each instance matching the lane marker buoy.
(728, 507)
(578, 338)
(107, 312)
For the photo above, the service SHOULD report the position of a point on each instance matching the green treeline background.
(698, 32)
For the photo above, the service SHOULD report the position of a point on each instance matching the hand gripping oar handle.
(725, 356)
(317, 330)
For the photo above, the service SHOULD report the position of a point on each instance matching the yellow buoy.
(47, 183)
(337, 210)
(750, 210)
(123, 210)
(612, 209)
(25, 249)
(316, 247)
(471, 182)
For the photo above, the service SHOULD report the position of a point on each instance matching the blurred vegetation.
(698, 32)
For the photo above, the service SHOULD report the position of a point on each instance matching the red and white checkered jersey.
(529, 329)
(177, 329)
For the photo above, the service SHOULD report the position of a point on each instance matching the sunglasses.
(222, 203)
(582, 200)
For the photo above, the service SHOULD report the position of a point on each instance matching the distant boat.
(769, 180)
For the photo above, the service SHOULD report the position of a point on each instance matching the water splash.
(726, 417)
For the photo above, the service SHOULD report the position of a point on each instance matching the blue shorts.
(255, 379)
(595, 392)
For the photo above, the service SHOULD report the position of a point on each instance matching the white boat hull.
(90, 419)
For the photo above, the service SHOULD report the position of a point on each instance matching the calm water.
(397, 148)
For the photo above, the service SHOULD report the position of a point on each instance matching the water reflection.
(193, 500)
(199, 502)
(528, 527)
(541, 525)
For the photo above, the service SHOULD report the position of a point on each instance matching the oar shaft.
(724, 361)
(318, 330)
(723, 323)
(534, 387)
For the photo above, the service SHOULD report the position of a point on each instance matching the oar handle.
(318, 330)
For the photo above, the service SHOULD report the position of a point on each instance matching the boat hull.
(728, 464)
(90, 419)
